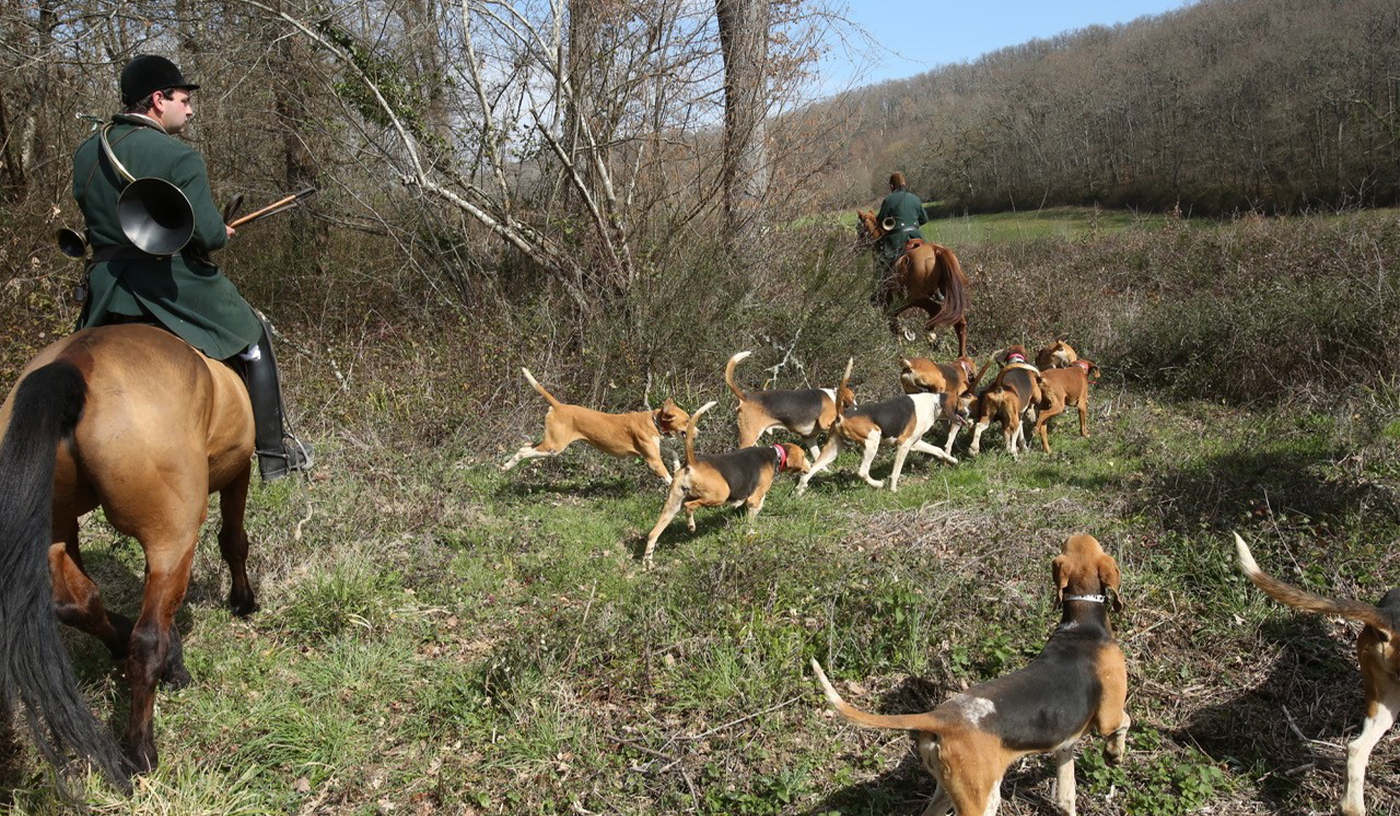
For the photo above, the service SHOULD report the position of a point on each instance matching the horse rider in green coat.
(183, 292)
(904, 212)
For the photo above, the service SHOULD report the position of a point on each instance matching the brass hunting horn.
(71, 243)
(889, 223)
(154, 214)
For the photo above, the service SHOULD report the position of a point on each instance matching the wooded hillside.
(1227, 105)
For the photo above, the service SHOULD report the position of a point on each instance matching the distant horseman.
(900, 215)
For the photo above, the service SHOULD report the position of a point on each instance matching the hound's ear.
(1110, 579)
(1060, 576)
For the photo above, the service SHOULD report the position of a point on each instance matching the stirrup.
(294, 456)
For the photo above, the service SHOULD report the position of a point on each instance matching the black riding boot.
(279, 453)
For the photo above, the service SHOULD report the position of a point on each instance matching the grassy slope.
(441, 637)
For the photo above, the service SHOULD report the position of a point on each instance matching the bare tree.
(743, 33)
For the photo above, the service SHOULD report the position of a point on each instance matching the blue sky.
(915, 37)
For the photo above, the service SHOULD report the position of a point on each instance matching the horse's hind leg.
(76, 599)
(154, 640)
(233, 544)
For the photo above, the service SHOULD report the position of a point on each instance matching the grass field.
(1068, 223)
(438, 637)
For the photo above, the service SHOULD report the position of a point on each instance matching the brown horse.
(928, 273)
(134, 420)
(868, 230)
(933, 280)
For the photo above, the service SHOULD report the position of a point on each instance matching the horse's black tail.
(34, 665)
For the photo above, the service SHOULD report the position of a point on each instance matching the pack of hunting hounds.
(1079, 680)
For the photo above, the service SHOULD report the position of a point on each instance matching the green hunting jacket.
(186, 293)
(908, 212)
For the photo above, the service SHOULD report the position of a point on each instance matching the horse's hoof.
(142, 759)
(176, 678)
(242, 607)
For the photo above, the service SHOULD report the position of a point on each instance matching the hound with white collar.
(1078, 682)
(1378, 651)
(901, 422)
(740, 477)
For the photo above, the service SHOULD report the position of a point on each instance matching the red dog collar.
(1084, 364)
(1015, 357)
(782, 456)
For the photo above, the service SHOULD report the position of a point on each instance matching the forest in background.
(1221, 107)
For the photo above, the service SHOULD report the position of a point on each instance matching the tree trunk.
(743, 35)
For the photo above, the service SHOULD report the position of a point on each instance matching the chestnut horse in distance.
(132, 419)
(930, 277)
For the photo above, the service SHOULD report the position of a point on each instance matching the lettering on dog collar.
(1088, 598)
(782, 456)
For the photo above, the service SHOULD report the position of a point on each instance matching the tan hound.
(1061, 387)
(740, 477)
(634, 434)
(1377, 650)
(1078, 682)
(1056, 355)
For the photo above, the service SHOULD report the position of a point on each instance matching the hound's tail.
(909, 722)
(1299, 599)
(976, 378)
(34, 664)
(729, 373)
(690, 433)
(844, 389)
(540, 388)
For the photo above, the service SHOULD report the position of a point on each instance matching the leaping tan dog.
(1377, 650)
(633, 434)
(1061, 387)
(1078, 682)
(956, 381)
(806, 412)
